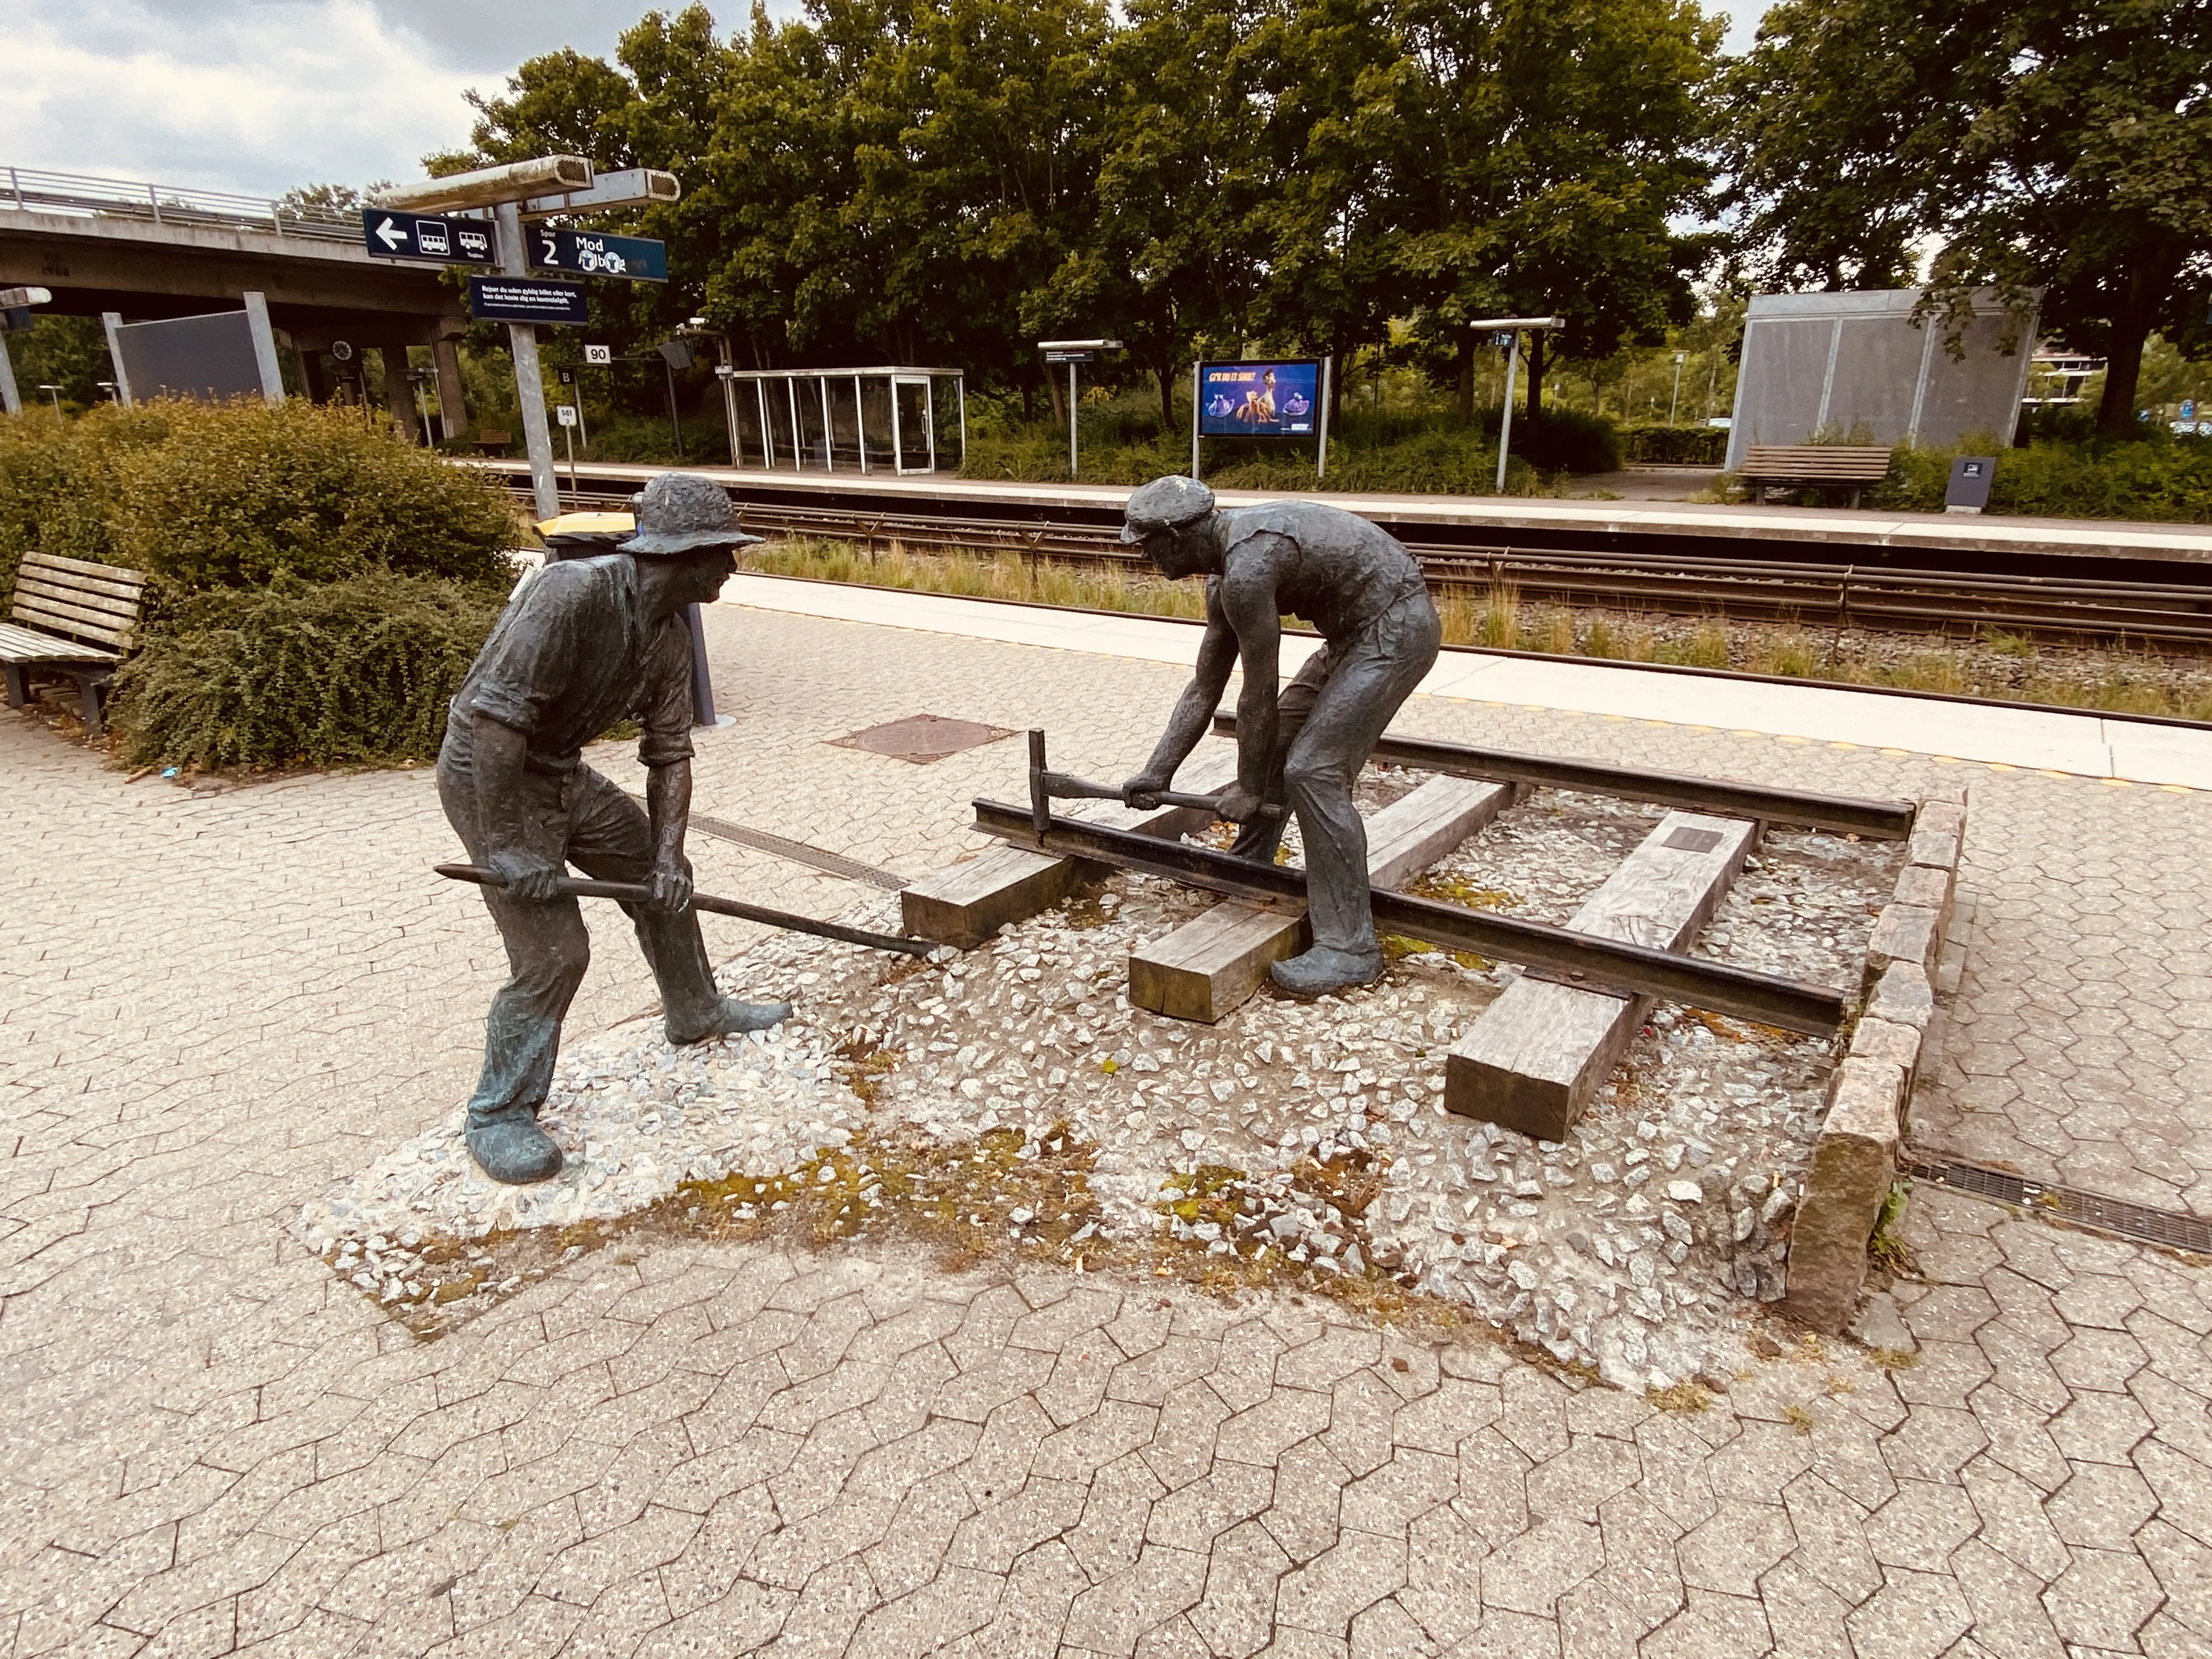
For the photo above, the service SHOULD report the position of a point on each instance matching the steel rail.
(1877, 820)
(1598, 964)
(1808, 593)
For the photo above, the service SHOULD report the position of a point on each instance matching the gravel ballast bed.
(1305, 1141)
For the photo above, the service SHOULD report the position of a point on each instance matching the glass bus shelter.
(846, 420)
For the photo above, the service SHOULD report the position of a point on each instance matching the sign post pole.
(529, 381)
(1070, 352)
(568, 417)
(1321, 464)
(1506, 415)
(1509, 336)
(1194, 422)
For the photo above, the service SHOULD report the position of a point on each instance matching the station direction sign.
(428, 237)
(518, 299)
(594, 253)
(1071, 356)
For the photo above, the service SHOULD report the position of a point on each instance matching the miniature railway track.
(1823, 590)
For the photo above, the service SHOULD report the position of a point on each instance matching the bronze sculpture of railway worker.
(583, 644)
(1302, 744)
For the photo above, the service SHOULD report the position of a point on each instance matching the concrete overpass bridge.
(148, 252)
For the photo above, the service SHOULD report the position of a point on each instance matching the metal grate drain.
(921, 738)
(2169, 1228)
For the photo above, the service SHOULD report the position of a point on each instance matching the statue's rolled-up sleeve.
(527, 662)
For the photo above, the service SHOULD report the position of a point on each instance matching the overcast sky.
(233, 94)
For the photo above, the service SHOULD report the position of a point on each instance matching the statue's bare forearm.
(1194, 710)
(668, 804)
(1194, 713)
(497, 763)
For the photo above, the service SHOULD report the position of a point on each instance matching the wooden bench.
(494, 442)
(1823, 467)
(73, 615)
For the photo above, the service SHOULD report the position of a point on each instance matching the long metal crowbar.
(632, 893)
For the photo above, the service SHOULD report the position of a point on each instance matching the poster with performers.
(1259, 400)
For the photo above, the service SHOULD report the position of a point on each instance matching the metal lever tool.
(1047, 786)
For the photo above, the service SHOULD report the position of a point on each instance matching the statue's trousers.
(577, 817)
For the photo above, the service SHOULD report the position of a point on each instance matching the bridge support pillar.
(11, 401)
(399, 392)
(452, 402)
(265, 348)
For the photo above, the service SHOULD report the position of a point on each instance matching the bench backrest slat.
(1837, 461)
(96, 604)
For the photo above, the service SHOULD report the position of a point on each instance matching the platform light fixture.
(1072, 352)
(1508, 330)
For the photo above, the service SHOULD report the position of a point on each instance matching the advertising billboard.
(1260, 400)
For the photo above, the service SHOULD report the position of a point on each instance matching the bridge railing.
(34, 190)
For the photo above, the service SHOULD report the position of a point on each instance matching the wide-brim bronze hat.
(682, 512)
(1166, 503)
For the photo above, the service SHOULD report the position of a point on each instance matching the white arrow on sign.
(389, 234)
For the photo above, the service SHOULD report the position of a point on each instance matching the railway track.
(1812, 592)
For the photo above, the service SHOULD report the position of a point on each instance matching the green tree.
(2059, 147)
(1326, 233)
(1547, 155)
(68, 352)
(1166, 266)
(981, 124)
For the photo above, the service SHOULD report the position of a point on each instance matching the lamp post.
(108, 387)
(1509, 331)
(1072, 352)
(1676, 399)
(53, 392)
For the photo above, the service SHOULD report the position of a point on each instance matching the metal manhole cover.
(922, 738)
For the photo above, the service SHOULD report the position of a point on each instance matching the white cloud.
(232, 94)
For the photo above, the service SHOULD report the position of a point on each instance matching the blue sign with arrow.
(594, 253)
(422, 236)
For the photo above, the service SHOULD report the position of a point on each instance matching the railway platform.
(2121, 748)
(1960, 540)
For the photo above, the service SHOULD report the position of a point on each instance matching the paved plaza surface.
(213, 1004)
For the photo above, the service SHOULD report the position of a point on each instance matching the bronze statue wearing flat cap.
(584, 644)
(1300, 744)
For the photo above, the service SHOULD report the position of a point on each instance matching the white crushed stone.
(1641, 1247)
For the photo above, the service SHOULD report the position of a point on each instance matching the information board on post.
(594, 253)
(1259, 399)
(518, 299)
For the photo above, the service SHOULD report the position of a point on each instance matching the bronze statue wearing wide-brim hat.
(681, 512)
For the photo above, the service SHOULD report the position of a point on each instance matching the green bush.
(234, 494)
(1386, 453)
(1675, 445)
(321, 674)
(2157, 477)
(60, 477)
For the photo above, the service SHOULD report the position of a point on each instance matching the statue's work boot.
(1319, 970)
(733, 1017)
(510, 1148)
